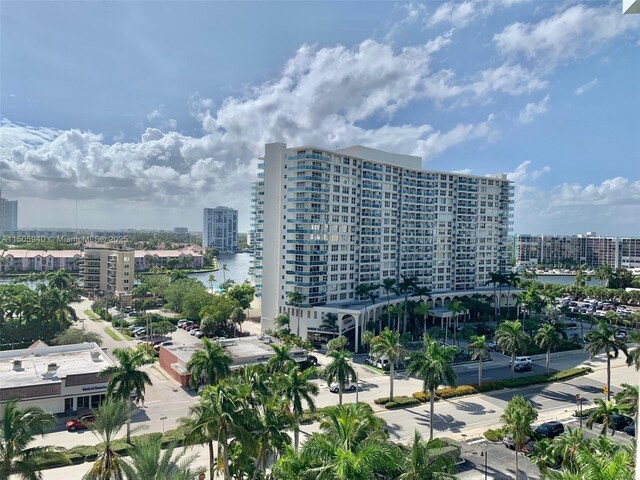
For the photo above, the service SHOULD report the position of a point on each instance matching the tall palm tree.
(511, 337)
(296, 299)
(548, 337)
(18, 427)
(603, 413)
(149, 460)
(283, 321)
(633, 356)
(424, 461)
(406, 286)
(212, 280)
(127, 378)
(566, 446)
(517, 418)
(456, 309)
(480, 349)
(432, 365)
(339, 370)
(422, 309)
(397, 311)
(270, 431)
(211, 364)
(494, 279)
(219, 415)
(282, 360)
(110, 418)
(330, 322)
(388, 284)
(176, 275)
(604, 273)
(364, 290)
(60, 279)
(602, 339)
(595, 464)
(512, 281)
(296, 388)
(389, 344)
(224, 270)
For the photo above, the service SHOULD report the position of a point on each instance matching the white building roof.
(76, 359)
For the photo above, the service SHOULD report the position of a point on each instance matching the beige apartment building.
(108, 267)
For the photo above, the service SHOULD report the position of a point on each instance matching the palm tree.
(296, 299)
(480, 349)
(512, 280)
(423, 461)
(297, 387)
(548, 337)
(127, 378)
(176, 275)
(224, 269)
(456, 309)
(432, 364)
(397, 311)
(282, 360)
(389, 344)
(367, 337)
(593, 463)
(511, 337)
(604, 273)
(494, 278)
(633, 356)
(406, 286)
(219, 415)
(388, 284)
(339, 370)
(330, 322)
(566, 446)
(149, 460)
(209, 365)
(364, 290)
(270, 430)
(283, 321)
(603, 413)
(517, 418)
(60, 279)
(17, 430)
(602, 339)
(111, 417)
(628, 397)
(422, 309)
(212, 280)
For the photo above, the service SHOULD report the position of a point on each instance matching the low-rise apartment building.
(61, 379)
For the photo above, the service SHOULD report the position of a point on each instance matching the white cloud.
(586, 87)
(513, 80)
(533, 110)
(522, 173)
(460, 14)
(576, 31)
(464, 171)
(327, 96)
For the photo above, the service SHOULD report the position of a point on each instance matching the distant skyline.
(146, 112)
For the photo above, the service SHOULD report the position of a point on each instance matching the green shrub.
(459, 391)
(489, 387)
(401, 401)
(381, 401)
(494, 435)
(422, 397)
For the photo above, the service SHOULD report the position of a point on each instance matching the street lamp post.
(485, 454)
(163, 418)
(357, 387)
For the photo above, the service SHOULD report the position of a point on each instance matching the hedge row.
(399, 401)
(494, 435)
(463, 390)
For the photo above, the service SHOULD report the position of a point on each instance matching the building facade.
(8, 215)
(108, 268)
(62, 379)
(326, 221)
(589, 249)
(220, 229)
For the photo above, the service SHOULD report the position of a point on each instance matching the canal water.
(565, 280)
(238, 266)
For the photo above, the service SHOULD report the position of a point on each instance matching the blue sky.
(145, 112)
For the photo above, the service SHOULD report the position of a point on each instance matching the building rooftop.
(21, 253)
(244, 350)
(32, 366)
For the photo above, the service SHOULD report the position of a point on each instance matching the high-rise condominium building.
(8, 215)
(220, 229)
(326, 221)
(590, 249)
(108, 268)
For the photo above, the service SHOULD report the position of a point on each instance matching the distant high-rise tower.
(220, 229)
(8, 215)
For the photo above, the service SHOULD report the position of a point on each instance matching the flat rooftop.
(76, 359)
(244, 350)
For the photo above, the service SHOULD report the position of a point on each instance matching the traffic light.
(605, 390)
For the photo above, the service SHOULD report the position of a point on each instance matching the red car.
(80, 423)
(186, 325)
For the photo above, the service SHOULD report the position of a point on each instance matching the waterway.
(238, 266)
(565, 280)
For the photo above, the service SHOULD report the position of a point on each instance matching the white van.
(522, 361)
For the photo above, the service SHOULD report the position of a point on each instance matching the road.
(463, 419)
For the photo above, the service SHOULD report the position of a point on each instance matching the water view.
(238, 270)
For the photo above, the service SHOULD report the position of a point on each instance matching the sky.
(138, 114)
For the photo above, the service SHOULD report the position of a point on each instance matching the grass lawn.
(109, 331)
(91, 314)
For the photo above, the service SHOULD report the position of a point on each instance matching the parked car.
(199, 334)
(193, 331)
(348, 387)
(181, 323)
(136, 328)
(139, 333)
(186, 324)
(162, 344)
(134, 314)
(508, 442)
(630, 429)
(80, 423)
(128, 309)
(620, 422)
(193, 326)
(522, 367)
(525, 360)
(312, 360)
(550, 429)
(491, 344)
